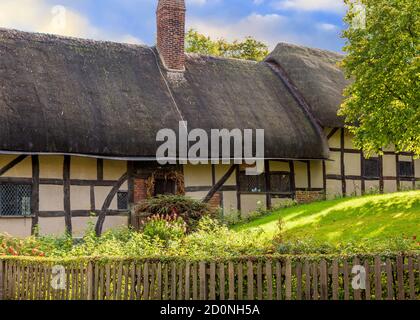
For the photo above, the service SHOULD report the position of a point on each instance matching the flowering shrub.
(165, 228)
(166, 237)
(32, 246)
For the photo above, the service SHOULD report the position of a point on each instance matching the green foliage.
(382, 106)
(167, 205)
(249, 49)
(383, 224)
(165, 228)
(34, 246)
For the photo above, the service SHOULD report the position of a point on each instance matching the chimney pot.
(170, 17)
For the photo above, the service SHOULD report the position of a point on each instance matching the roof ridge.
(201, 55)
(280, 44)
(45, 37)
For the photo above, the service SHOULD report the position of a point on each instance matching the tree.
(249, 49)
(382, 103)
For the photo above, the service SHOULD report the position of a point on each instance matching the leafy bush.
(34, 246)
(165, 228)
(166, 237)
(166, 205)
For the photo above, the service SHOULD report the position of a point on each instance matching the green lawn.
(368, 217)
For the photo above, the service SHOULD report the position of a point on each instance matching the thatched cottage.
(79, 120)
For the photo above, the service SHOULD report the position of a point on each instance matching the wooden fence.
(392, 278)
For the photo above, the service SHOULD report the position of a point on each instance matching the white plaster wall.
(249, 202)
(113, 170)
(197, 176)
(301, 174)
(317, 179)
(334, 165)
(333, 189)
(229, 202)
(51, 198)
(80, 197)
(17, 227)
(51, 167)
(82, 168)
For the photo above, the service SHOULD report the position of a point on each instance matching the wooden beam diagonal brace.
(219, 184)
(107, 203)
(12, 164)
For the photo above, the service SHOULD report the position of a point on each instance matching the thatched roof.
(318, 77)
(71, 96)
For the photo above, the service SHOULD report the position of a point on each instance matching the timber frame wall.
(348, 178)
(81, 186)
(88, 188)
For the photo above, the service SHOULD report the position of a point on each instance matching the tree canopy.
(382, 103)
(248, 49)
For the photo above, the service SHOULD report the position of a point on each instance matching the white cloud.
(267, 28)
(41, 16)
(271, 29)
(327, 27)
(311, 5)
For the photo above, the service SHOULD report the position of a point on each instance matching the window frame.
(268, 183)
(21, 215)
(281, 173)
(118, 200)
(368, 176)
(263, 183)
(410, 163)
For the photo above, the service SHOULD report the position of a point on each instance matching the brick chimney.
(170, 16)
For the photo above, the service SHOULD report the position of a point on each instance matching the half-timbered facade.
(79, 118)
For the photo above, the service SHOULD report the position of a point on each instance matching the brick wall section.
(216, 201)
(309, 196)
(140, 191)
(171, 33)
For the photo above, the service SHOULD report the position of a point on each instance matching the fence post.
(1, 280)
(90, 279)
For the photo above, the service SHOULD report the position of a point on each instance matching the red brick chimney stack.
(171, 33)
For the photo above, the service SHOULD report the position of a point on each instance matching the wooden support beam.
(362, 173)
(238, 190)
(12, 164)
(413, 168)
(100, 169)
(35, 193)
(107, 203)
(213, 174)
(381, 174)
(343, 167)
(308, 163)
(67, 203)
(267, 183)
(219, 184)
(81, 213)
(292, 178)
(92, 198)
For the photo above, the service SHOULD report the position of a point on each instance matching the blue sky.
(315, 23)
